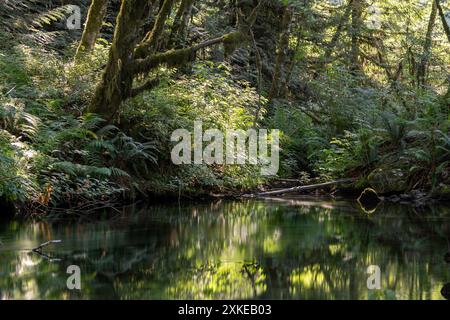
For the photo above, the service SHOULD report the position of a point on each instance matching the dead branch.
(45, 244)
(298, 189)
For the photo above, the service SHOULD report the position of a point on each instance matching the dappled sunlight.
(234, 250)
(228, 280)
(309, 278)
(272, 113)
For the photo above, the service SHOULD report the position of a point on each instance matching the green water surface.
(296, 248)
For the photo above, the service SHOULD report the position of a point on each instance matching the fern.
(79, 170)
(394, 128)
(15, 120)
(30, 18)
(48, 17)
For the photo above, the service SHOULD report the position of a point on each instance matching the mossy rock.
(442, 192)
(388, 180)
(369, 200)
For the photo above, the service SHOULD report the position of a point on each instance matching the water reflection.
(293, 249)
(446, 291)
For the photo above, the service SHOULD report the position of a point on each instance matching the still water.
(295, 248)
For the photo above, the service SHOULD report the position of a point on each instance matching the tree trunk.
(299, 188)
(178, 33)
(423, 66)
(357, 8)
(151, 40)
(96, 14)
(446, 97)
(444, 22)
(127, 59)
(117, 80)
(283, 47)
(334, 40)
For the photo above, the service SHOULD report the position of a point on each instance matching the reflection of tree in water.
(249, 250)
(323, 257)
(445, 291)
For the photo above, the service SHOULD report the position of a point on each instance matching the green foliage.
(352, 151)
(299, 140)
(208, 94)
(338, 117)
(17, 183)
(50, 156)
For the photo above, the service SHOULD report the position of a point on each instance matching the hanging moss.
(171, 58)
(232, 41)
(176, 58)
(151, 40)
(96, 14)
(117, 78)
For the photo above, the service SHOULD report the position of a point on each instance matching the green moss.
(171, 58)
(175, 58)
(388, 180)
(232, 41)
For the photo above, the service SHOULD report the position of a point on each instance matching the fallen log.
(298, 189)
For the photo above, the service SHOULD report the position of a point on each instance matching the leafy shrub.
(208, 94)
(351, 152)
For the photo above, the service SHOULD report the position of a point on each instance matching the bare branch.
(45, 244)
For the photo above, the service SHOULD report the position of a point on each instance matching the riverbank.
(275, 188)
(336, 120)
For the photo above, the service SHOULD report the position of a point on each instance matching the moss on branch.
(179, 57)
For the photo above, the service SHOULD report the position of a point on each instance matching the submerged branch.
(46, 256)
(45, 244)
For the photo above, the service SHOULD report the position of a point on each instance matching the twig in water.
(46, 256)
(45, 244)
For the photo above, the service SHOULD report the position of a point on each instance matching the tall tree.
(334, 40)
(283, 47)
(181, 20)
(94, 22)
(426, 54)
(151, 40)
(446, 98)
(356, 26)
(130, 57)
(444, 21)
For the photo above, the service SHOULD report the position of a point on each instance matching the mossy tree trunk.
(355, 30)
(444, 21)
(94, 22)
(117, 79)
(446, 97)
(128, 57)
(334, 40)
(283, 47)
(426, 55)
(150, 43)
(181, 21)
